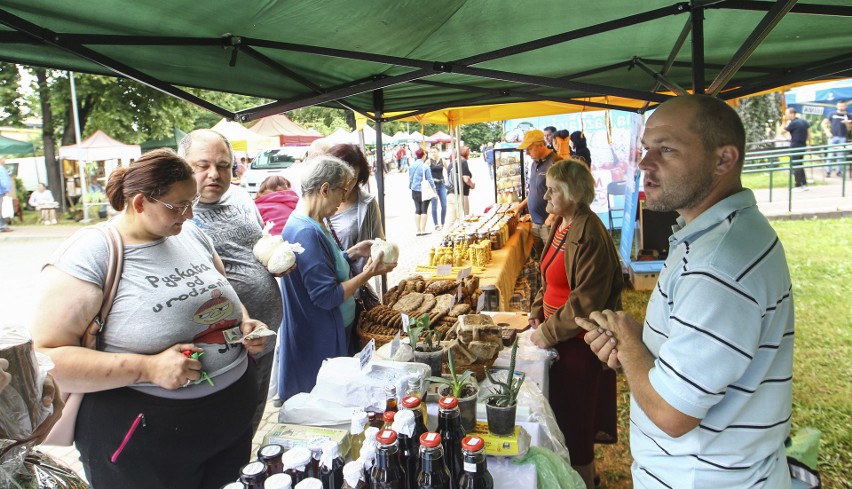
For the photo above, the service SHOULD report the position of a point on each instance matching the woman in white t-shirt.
(169, 400)
(42, 199)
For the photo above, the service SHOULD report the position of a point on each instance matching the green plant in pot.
(501, 406)
(464, 388)
(426, 343)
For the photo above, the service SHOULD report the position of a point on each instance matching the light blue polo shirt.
(720, 324)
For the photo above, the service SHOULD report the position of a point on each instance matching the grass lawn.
(818, 253)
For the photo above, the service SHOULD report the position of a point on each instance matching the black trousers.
(195, 443)
(798, 171)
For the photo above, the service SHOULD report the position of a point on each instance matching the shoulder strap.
(115, 264)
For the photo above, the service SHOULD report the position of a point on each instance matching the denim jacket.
(415, 176)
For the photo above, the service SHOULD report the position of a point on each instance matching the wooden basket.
(477, 368)
(365, 337)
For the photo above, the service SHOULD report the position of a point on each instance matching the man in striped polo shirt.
(710, 373)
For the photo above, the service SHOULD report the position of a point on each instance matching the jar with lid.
(253, 475)
(409, 448)
(331, 466)
(433, 472)
(315, 447)
(271, 456)
(353, 476)
(278, 481)
(309, 483)
(375, 419)
(234, 485)
(476, 475)
(296, 462)
(360, 422)
(387, 473)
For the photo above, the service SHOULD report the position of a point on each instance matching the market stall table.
(501, 273)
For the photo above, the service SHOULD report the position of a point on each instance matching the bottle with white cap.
(331, 466)
(353, 476)
(368, 452)
(309, 483)
(360, 422)
(403, 424)
(253, 475)
(278, 481)
(296, 462)
(315, 446)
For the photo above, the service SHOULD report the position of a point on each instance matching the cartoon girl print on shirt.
(214, 314)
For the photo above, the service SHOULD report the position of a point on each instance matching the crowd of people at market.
(709, 370)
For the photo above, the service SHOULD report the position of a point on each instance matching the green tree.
(475, 135)
(761, 115)
(11, 100)
(323, 119)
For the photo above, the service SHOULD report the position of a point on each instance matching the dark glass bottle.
(387, 473)
(415, 405)
(253, 475)
(315, 447)
(331, 466)
(234, 485)
(278, 481)
(476, 475)
(353, 476)
(271, 456)
(296, 461)
(452, 433)
(409, 448)
(434, 473)
(375, 419)
(388, 420)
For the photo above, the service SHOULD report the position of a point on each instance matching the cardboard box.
(644, 274)
(292, 435)
(502, 446)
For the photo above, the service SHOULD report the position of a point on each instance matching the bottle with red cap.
(433, 473)
(452, 434)
(476, 475)
(387, 473)
(388, 420)
(417, 407)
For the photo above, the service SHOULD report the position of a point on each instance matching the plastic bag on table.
(341, 381)
(307, 409)
(552, 470)
(528, 352)
(42, 472)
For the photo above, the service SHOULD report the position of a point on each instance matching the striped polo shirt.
(720, 325)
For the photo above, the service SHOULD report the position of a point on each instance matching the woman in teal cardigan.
(319, 304)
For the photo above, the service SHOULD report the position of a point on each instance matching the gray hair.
(186, 142)
(325, 168)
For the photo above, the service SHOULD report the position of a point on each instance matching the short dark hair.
(550, 129)
(716, 123)
(152, 175)
(354, 157)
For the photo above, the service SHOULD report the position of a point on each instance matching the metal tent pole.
(81, 164)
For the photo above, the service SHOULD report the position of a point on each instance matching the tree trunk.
(54, 170)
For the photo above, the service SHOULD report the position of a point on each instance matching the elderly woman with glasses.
(164, 377)
(319, 303)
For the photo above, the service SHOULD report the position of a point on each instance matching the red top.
(430, 440)
(448, 402)
(388, 416)
(473, 443)
(277, 207)
(558, 289)
(411, 402)
(386, 437)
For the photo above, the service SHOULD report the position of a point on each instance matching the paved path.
(821, 200)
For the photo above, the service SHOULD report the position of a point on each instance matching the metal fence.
(826, 158)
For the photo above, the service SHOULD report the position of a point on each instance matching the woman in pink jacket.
(276, 201)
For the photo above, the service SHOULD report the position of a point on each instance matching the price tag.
(464, 273)
(480, 303)
(366, 354)
(460, 293)
(395, 344)
(404, 322)
(444, 270)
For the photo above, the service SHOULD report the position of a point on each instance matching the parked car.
(285, 161)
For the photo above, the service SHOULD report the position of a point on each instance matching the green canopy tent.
(9, 146)
(359, 55)
(167, 142)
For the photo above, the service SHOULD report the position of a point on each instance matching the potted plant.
(426, 343)
(464, 388)
(501, 406)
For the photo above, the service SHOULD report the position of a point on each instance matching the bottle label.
(430, 436)
(469, 467)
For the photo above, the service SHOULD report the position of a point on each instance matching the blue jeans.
(441, 191)
(838, 158)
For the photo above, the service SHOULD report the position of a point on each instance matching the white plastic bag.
(341, 381)
(8, 208)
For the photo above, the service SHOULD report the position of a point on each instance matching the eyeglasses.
(182, 210)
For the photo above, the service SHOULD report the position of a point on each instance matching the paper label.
(469, 467)
(366, 354)
(431, 436)
(404, 322)
(395, 344)
(464, 273)
(444, 270)
(480, 303)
